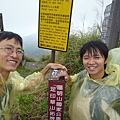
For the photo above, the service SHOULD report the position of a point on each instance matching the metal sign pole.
(1, 22)
(53, 56)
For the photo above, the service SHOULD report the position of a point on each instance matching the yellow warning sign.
(54, 24)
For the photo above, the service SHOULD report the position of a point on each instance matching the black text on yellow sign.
(54, 24)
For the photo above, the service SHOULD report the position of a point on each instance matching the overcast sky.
(21, 16)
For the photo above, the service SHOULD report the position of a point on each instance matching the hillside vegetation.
(34, 106)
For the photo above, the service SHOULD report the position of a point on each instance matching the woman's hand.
(65, 75)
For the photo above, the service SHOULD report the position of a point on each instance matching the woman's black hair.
(9, 35)
(94, 46)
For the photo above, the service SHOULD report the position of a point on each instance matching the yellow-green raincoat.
(97, 100)
(13, 86)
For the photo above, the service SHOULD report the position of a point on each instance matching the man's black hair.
(9, 35)
(94, 46)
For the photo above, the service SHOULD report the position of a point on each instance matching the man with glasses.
(11, 83)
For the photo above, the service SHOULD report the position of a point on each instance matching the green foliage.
(29, 59)
(33, 106)
(25, 104)
(119, 43)
(45, 57)
(44, 106)
(23, 71)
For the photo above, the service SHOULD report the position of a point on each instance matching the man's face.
(9, 61)
(94, 64)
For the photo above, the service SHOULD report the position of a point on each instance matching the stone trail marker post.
(56, 92)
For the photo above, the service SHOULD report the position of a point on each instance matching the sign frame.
(54, 25)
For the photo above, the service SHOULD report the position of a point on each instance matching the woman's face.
(94, 64)
(9, 61)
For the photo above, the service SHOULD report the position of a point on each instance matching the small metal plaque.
(55, 73)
